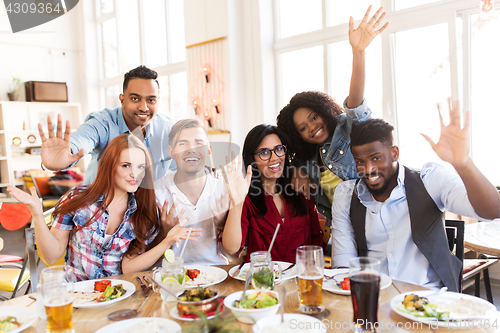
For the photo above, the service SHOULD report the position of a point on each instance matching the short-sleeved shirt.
(257, 232)
(206, 250)
(87, 251)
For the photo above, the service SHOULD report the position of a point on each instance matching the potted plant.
(13, 92)
(221, 323)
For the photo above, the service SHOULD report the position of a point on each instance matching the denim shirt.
(336, 155)
(101, 127)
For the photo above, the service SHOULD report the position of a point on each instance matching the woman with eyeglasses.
(264, 199)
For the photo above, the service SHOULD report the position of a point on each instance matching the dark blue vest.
(427, 228)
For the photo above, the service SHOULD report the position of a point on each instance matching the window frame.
(444, 11)
(163, 70)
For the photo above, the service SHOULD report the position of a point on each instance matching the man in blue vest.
(395, 214)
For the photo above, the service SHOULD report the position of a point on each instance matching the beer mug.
(58, 294)
(265, 273)
(364, 276)
(171, 276)
(310, 266)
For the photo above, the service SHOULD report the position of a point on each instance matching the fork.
(334, 275)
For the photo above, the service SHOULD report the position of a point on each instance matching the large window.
(433, 50)
(148, 32)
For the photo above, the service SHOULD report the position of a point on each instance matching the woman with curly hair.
(111, 226)
(320, 143)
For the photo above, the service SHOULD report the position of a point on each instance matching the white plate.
(445, 298)
(175, 314)
(26, 316)
(309, 323)
(219, 275)
(88, 286)
(341, 273)
(291, 273)
(120, 326)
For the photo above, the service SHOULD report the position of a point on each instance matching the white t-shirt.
(206, 251)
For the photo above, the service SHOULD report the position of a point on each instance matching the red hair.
(144, 220)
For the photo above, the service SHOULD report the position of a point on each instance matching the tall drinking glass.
(264, 270)
(172, 277)
(364, 275)
(57, 291)
(310, 265)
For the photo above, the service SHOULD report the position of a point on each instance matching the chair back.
(29, 183)
(455, 231)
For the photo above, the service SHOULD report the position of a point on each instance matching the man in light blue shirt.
(400, 224)
(137, 115)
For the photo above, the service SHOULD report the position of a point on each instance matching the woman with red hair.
(107, 228)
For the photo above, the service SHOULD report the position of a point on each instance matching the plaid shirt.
(87, 252)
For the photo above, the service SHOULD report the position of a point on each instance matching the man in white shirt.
(194, 192)
(395, 214)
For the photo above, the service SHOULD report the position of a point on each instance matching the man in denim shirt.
(137, 115)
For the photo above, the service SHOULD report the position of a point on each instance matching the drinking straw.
(274, 238)
(185, 243)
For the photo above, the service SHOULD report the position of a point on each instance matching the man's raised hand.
(56, 149)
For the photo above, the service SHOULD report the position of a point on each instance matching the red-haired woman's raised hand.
(236, 185)
(363, 35)
(177, 233)
(31, 201)
(168, 217)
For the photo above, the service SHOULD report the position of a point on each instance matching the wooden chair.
(13, 273)
(40, 183)
(326, 229)
(472, 268)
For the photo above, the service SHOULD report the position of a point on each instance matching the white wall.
(49, 52)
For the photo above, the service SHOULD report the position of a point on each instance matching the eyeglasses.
(265, 153)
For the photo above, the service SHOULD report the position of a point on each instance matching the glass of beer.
(57, 290)
(364, 275)
(310, 266)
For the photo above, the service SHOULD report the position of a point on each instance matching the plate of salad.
(15, 319)
(101, 292)
(443, 308)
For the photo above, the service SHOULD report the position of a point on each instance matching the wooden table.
(483, 237)
(90, 320)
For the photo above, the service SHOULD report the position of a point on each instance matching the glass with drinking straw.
(58, 294)
(310, 267)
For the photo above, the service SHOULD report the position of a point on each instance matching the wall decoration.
(31, 138)
(205, 80)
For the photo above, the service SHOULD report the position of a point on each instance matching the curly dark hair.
(371, 130)
(319, 102)
(141, 72)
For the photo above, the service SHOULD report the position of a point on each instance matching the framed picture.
(41, 117)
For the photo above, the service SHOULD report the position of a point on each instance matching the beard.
(385, 186)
